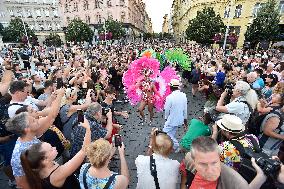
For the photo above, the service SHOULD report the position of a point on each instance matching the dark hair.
(48, 83)
(173, 88)
(207, 119)
(31, 162)
(17, 86)
(110, 90)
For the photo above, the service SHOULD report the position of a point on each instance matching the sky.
(156, 9)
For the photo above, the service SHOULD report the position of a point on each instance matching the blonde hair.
(279, 88)
(99, 152)
(163, 145)
(70, 92)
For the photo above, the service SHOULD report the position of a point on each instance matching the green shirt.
(196, 129)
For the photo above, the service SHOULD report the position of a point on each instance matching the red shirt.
(199, 183)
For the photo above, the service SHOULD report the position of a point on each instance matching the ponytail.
(31, 163)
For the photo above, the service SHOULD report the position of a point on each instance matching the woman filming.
(43, 172)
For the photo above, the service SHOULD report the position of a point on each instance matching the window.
(49, 26)
(41, 27)
(66, 8)
(256, 8)
(122, 17)
(88, 19)
(46, 11)
(109, 3)
(97, 4)
(227, 12)
(76, 7)
(99, 18)
(121, 2)
(238, 11)
(58, 26)
(38, 14)
(86, 5)
(235, 29)
(68, 20)
(29, 14)
(20, 13)
(281, 7)
(109, 16)
(55, 13)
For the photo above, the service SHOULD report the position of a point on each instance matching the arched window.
(238, 11)
(122, 16)
(281, 7)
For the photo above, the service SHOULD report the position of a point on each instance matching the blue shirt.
(78, 134)
(260, 82)
(16, 161)
(93, 182)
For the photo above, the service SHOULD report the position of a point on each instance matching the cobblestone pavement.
(136, 137)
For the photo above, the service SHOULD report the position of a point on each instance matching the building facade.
(131, 13)
(43, 16)
(238, 14)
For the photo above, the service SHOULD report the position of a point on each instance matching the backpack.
(4, 116)
(246, 170)
(254, 124)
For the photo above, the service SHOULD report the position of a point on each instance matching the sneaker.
(11, 183)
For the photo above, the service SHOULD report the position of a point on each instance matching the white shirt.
(13, 108)
(167, 172)
(176, 108)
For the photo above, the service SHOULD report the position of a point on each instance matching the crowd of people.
(59, 126)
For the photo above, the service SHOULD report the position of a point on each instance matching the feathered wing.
(133, 76)
(162, 86)
(179, 56)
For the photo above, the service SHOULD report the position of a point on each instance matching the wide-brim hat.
(231, 123)
(175, 83)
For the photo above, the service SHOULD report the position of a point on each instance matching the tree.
(53, 40)
(204, 26)
(265, 26)
(1, 29)
(78, 31)
(15, 32)
(114, 27)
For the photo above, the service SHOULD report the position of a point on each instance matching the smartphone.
(117, 140)
(80, 115)
(59, 83)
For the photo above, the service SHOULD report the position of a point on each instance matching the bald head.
(251, 77)
(163, 145)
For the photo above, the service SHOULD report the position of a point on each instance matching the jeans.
(171, 131)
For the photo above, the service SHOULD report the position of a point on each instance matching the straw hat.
(175, 83)
(231, 123)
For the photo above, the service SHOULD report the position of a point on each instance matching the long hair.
(31, 161)
(252, 98)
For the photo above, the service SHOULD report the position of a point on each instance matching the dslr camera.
(269, 166)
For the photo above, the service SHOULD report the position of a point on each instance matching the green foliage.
(78, 31)
(147, 36)
(115, 27)
(204, 26)
(265, 26)
(53, 40)
(1, 29)
(15, 32)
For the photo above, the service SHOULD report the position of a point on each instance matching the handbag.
(154, 171)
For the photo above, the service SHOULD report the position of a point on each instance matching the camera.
(80, 115)
(269, 166)
(105, 110)
(117, 140)
(229, 88)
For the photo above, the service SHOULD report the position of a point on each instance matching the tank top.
(70, 182)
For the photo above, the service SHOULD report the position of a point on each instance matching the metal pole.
(228, 25)
(26, 32)
(105, 31)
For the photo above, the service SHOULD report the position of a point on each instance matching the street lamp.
(228, 26)
(26, 32)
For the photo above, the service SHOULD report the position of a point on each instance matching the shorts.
(6, 150)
